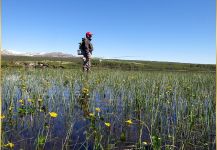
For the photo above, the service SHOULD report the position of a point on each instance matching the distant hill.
(43, 54)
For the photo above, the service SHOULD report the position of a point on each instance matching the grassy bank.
(75, 62)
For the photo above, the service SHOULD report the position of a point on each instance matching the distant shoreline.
(9, 61)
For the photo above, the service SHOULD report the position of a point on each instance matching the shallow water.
(153, 114)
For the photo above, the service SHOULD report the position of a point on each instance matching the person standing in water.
(87, 49)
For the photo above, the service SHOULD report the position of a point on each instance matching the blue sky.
(156, 30)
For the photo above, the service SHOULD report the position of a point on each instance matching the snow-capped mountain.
(42, 54)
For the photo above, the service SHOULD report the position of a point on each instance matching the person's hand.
(89, 54)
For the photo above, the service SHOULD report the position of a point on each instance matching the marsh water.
(107, 110)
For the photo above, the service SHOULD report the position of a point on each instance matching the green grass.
(72, 63)
(171, 110)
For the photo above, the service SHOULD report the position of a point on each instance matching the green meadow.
(97, 63)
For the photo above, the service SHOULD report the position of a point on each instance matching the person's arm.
(91, 48)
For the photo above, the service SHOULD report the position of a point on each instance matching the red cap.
(89, 34)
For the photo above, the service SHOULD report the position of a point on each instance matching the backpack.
(81, 47)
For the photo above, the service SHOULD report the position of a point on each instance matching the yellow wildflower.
(85, 90)
(91, 114)
(107, 124)
(30, 100)
(98, 109)
(2, 116)
(10, 145)
(21, 101)
(97, 81)
(53, 114)
(129, 121)
(10, 108)
(40, 100)
(145, 143)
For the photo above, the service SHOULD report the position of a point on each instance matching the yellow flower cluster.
(21, 101)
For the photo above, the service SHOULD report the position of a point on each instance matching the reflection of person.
(87, 49)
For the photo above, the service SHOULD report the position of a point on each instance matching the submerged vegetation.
(66, 109)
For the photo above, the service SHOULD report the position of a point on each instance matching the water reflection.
(79, 124)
